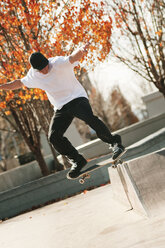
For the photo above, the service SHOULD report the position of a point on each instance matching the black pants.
(62, 118)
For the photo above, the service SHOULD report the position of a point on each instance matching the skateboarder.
(56, 77)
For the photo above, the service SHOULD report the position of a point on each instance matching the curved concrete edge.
(141, 183)
(149, 144)
(51, 188)
(23, 174)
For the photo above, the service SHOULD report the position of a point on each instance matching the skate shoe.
(118, 151)
(76, 168)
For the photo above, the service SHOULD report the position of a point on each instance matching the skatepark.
(119, 208)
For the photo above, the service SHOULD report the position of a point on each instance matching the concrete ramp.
(140, 183)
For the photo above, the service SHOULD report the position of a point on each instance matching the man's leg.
(84, 112)
(59, 124)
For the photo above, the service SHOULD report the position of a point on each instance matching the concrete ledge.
(142, 129)
(120, 192)
(43, 190)
(149, 144)
(23, 174)
(142, 182)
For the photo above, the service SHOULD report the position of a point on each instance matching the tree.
(118, 109)
(7, 143)
(99, 108)
(44, 112)
(53, 28)
(138, 39)
(115, 112)
(30, 130)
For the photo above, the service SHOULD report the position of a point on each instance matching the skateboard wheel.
(115, 164)
(81, 181)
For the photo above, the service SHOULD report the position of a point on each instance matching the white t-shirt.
(60, 83)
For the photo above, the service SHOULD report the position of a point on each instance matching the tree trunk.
(31, 136)
(161, 86)
(42, 163)
(57, 165)
(44, 112)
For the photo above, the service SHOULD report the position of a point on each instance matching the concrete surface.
(51, 188)
(143, 183)
(91, 220)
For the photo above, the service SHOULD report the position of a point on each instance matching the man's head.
(39, 62)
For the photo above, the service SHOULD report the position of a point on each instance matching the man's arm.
(13, 85)
(76, 56)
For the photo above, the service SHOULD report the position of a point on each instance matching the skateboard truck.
(119, 161)
(82, 180)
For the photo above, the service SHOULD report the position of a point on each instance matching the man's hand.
(14, 85)
(76, 56)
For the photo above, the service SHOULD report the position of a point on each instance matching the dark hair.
(38, 61)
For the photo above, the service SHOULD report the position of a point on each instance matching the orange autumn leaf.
(18, 102)
(7, 112)
(2, 105)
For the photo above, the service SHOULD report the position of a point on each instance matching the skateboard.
(86, 173)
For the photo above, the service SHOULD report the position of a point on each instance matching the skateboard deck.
(85, 173)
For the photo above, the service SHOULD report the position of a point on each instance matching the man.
(56, 76)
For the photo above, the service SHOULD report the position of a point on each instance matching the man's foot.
(118, 151)
(76, 168)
